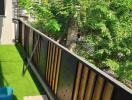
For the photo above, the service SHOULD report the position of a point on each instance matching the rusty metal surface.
(67, 76)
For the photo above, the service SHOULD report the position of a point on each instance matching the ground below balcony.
(11, 65)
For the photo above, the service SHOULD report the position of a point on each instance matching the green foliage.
(25, 4)
(108, 31)
(44, 19)
(112, 64)
(65, 12)
(59, 12)
(52, 26)
(69, 12)
(125, 71)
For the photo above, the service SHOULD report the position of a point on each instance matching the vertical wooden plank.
(50, 62)
(43, 57)
(55, 69)
(23, 34)
(83, 83)
(58, 69)
(20, 32)
(38, 51)
(98, 88)
(33, 58)
(52, 66)
(48, 58)
(90, 86)
(30, 41)
(34, 55)
(107, 91)
(77, 82)
(26, 39)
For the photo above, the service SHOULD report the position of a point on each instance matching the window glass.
(2, 7)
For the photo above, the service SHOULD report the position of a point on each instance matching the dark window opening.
(2, 7)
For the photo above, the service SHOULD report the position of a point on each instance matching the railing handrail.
(93, 67)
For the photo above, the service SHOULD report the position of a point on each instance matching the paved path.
(43, 97)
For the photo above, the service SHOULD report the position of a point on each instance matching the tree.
(108, 29)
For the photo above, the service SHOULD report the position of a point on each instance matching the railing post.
(19, 31)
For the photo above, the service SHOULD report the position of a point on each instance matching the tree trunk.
(72, 35)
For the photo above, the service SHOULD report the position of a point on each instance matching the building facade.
(7, 29)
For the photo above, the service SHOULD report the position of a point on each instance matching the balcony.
(53, 70)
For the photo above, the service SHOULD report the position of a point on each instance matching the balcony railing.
(64, 75)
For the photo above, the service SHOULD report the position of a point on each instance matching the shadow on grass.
(37, 83)
(1, 76)
(14, 97)
(2, 80)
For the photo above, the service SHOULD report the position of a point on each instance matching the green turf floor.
(11, 65)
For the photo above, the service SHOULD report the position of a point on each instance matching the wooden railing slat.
(83, 83)
(55, 69)
(23, 34)
(90, 84)
(52, 66)
(48, 58)
(50, 62)
(77, 82)
(98, 88)
(108, 91)
(58, 69)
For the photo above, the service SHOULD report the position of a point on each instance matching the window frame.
(3, 10)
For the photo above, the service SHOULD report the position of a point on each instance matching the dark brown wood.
(98, 88)
(83, 83)
(57, 72)
(52, 66)
(55, 69)
(90, 86)
(77, 82)
(50, 63)
(48, 59)
(20, 32)
(107, 94)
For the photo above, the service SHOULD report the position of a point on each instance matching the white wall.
(7, 34)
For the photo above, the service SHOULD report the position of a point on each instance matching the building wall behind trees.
(7, 34)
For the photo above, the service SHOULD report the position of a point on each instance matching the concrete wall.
(7, 34)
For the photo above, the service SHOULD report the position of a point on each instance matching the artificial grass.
(11, 65)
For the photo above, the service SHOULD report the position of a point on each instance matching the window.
(2, 7)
